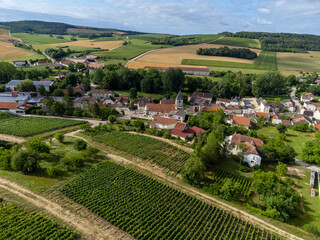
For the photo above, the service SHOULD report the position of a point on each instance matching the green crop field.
(15, 223)
(146, 148)
(41, 38)
(148, 209)
(239, 42)
(34, 57)
(265, 61)
(135, 48)
(28, 126)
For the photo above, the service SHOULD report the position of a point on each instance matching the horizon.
(179, 17)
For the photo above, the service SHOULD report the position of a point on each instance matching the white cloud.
(264, 21)
(263, 10)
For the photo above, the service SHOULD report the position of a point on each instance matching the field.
(41, 38)
(146, 148)
(147, 209)
(93, 44)
(86, 30)
(4, 35)
(15, 223)
(8, 52)
(28, 126)
(294, 138)
(239, 42)
(265, 61)
(221, 176)
(295, 62)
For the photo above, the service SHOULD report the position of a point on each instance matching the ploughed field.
(9, 51)
(28, 126)
(147, 209)
(15, 223)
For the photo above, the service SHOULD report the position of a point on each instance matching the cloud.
(263, 10)
(264, 21)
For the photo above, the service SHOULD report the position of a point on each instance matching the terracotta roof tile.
(8, 105)
(161, 108)
(239, 120)
(238, 138)
(180, 126)
(163, 120)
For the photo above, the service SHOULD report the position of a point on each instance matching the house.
(100, 93)
(167, 101)
(241, 121)
(79, 90)
(298, 119)
(159, 109)
(198, 130)
(109, 101)
(235, 101)
(276, 107)
(8, 106)
(200, 98)
(182, 130)
(140, 103)
(123, 100)
(266, 115)
(65, 62)
(92, 57)
(233, 110)
(62, 75)
(245, 103)
(19, 63)
(160, 122)
(290, 105)
(252, 154)
(12, 85)
(223, 102)
(56, 66)
(179, 115)
(263, 105)
(312, 106)
(307, 97)
(93, 65)
(41, 63)
(84, 102)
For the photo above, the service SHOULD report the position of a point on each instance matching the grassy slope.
(294, 138)
(41, 38)
(239, 42)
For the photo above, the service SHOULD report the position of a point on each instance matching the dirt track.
(89, 229)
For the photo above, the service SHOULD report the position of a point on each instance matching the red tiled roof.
(198, 130)
(286, 122)
(163, 120)
(298, 119)
(317, 127)
(238, 138)
(223, 100)
(161, 108)
(266, 115)
(180, 126)
(179, 133)
(96, 65)
(239, 120)
(99, 91)
(8, 105)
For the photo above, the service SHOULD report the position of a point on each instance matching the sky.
(180, 17)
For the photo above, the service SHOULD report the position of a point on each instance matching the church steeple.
(179, 101)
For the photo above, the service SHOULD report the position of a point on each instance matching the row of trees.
(57, 53)
(243, 53)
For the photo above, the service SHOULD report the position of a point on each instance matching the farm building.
(19, 63)
(186, 70)
(12, 85)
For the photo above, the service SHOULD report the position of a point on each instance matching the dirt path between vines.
(10, 138)
(175, 183)
(88, 229)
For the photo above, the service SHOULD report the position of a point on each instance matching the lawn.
(274, 98)
(265, 61)
(294, 138)
(239, 42)
(29, 126)
(135, 48)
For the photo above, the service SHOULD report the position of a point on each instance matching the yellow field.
(92, 44)
(86, 30)
(176, 54)
(137, 65)
(8, 51)
(4, 35)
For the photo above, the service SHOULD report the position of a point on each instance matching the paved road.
(294, 98)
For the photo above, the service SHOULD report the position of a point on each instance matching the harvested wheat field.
(8, 51)
(4, 35)
(176, 54)
(137, 65)
(92, 44)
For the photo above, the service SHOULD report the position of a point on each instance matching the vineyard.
(16, 223)
(221, 176)
(28, 126)
(146, 148)
(147, 209)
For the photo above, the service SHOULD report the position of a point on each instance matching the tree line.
(228, 52)
(281, 42)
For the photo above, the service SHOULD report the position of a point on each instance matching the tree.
(270, 83)
(26, 86)
(230, 190)
(7, 72)
(311, 151)
(42, 90)
(59, 137)
(105, 112)
(80, 145)
(26, 161)
(139, 125)
(133, 93)
(38, 146)
(281, 169)
(261, 121)
(112, 119)
(69, 89)
(193, 170)
(172, 80)
(5, 159)
(58, 93)
(210, 152)
(282, 128)
(58, 108)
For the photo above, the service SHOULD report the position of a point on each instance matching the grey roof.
(36, 83)
(22, 97)
(179, 96)
(7, 99)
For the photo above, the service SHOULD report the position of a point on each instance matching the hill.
(42, 27)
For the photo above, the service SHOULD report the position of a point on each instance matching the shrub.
(80, 145)
(26, 161)
(112, 118)
(59, 137)
(55, 171)
(311, 228)
(38, 146)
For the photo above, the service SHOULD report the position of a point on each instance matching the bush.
(26, 161)
(80, 145)
(38, 146)
(59, 137)
(311, 228)
(73, 162)
(55, 171)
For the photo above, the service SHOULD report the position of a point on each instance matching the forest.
(228, 52)
(281, 42)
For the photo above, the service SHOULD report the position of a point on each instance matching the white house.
(12, 85)
(19, 63)
(263, 105)
(307, 97)
(159, 122)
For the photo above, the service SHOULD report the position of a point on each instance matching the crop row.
(146, 148)
(16, 223)
(147, 209)
(245, 184)
(28, 126)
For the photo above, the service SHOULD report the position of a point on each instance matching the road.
(50, 58)
(294, 98)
